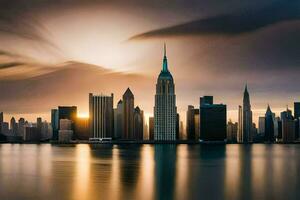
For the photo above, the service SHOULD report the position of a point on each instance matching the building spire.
(165, 61)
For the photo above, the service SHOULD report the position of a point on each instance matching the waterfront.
(169, 171)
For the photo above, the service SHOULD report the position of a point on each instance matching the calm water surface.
(150, 172)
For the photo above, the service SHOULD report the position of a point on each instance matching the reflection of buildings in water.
(129, 168)
(165, 170)
(82, 172)
(210, 173)
(101, 168)
(245, 184)
(145, 182)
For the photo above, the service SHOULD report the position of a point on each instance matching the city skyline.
(56, 52)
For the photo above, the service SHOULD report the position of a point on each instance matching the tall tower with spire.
(165, 104)
(247, 118)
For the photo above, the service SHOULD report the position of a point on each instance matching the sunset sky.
(54, 52)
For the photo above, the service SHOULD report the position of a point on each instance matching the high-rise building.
(13, 127)
(297, 118)
(232, 131)
(138, 124)
(128, 115)
(181, 130)
(165, 105)
(151, 128)
(21, 127)
(31, 134)
(247, 118)
(197, 124)
(240, 125)
(54, 123)
(192, 123)
(288, 126)
(296, 110)
(276, 126)
(101, 116)
(39, 124)
(65, 133)
(118, 120)
(261, 125)
(68, 112)
(213, 122)
(269, 126)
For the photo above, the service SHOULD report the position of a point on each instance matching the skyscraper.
(269, 126)
(297, 118)
(54, 123)
(13, 126)
(138, 124)
(101, 116)
(261, 125)
(296, 110)
(240, 125)
(232, 131)
(118, 120)
(68, 112)
(288, 126)
(247, 118)
(128, 115)
(165, 105)
(192, 124)
(151, 128)
(213, 122)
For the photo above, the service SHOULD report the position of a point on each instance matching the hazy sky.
(54, 52)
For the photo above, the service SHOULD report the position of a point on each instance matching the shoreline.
(120, 142)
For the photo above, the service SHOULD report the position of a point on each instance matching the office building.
(54, 123)
(261, 125)
(192, 123)
(213, 122)
(165, 110)
(101, 116)
(297, 118)
(151, 128)
(232, 129)
(118, 120)
(269, 126)
(138, 124)
(21, 127)
(128, 115)
(13, 127)
(65, 133)
(240, 125)
(288, 126)
(31, 134)
(68, 112)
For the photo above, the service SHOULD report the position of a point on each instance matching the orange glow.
(83, 115)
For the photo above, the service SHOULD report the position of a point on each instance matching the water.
(150, 172)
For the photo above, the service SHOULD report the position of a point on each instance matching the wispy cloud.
(231, 24)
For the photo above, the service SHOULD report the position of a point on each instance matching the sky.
(54, 52)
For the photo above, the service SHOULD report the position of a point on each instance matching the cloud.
(231, 24)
